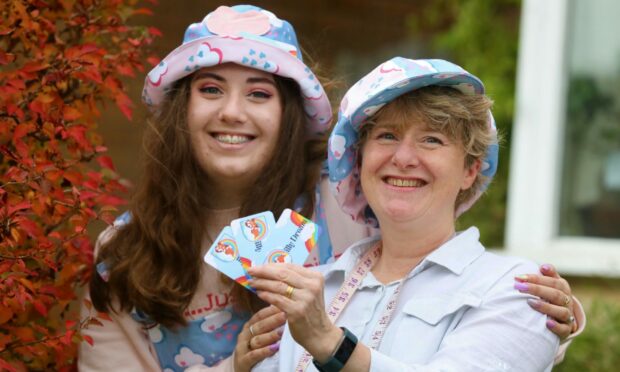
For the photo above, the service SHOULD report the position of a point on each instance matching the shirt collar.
(460, 251)
(346, 262)
(455, 254)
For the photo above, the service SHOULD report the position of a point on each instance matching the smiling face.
(234, 117)
(421, 154)
(413, 174)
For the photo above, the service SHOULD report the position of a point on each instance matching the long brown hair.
(155, 260)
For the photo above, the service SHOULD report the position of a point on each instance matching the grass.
(598, 347)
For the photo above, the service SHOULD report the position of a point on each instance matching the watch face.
(346, 348)
(341, 355)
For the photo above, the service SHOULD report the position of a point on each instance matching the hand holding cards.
(258, 239)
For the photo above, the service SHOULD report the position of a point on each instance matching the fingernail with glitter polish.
(522, 287)
(551, 323)
(274, 347)
(533, 303)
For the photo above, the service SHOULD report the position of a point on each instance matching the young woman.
(414, 147)
(237, 128)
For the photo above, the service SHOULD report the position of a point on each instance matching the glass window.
(590, 187)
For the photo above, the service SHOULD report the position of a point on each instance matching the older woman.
(414, 147)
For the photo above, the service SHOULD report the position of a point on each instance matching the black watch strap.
(341, 355)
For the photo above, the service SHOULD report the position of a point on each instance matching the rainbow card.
(253, 231)
(292, 240)
(258, 239)
(225, 256)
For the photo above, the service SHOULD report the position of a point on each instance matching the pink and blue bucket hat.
(248, 36)
(389, 80)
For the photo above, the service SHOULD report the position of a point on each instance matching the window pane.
(590, 189)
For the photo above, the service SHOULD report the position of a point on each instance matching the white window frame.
(532, 228)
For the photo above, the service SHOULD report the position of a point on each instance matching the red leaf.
(108, 217)
(104, 316)
(17, 83)
(145, 11)
(53, 175)
(112, 200)
(5, 314)
(95, 321)
(40, 307)
(154, 61)
(88, 339)
(70, 113)
(66, 338)
(126, 70)
(30, 227)
(134, 42)
(5, 365)
(22, 129)
(24, 334)
(73, 177)
(34, 67)
(8, 90)
(78, 51)
(106, 162)
(155, 31)
(78, 133)
(37, 107)
(92, 74)
(124, 104)
(18, 207)
(13, 109)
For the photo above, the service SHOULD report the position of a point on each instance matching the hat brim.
(252, 53)
(385, 83)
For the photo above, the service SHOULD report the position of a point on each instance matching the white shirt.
(457, 311)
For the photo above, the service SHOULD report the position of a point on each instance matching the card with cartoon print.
(251, 232)
(292, 240)
(258, 239)
(225, 256)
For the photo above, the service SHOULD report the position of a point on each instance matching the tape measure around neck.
(346, 292)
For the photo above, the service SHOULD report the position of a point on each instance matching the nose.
(232, 110)
(406, 155)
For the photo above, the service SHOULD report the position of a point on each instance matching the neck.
(404, 248)
(225, 195)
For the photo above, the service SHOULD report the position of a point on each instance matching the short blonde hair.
(463, 118)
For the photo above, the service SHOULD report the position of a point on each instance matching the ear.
(470, 174)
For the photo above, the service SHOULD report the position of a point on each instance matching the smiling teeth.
(232, 139)
(398, 182)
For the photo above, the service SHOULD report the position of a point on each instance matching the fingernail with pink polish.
(533, 303)
(521, 278)
(522, 287)
(280, 331)
(274, 347)
(551, 323)
(546, 267)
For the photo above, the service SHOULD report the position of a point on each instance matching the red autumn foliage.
(60, 60)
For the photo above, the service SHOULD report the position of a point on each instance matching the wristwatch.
(341, 355)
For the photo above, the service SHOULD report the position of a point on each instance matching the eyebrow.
(251, 80)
